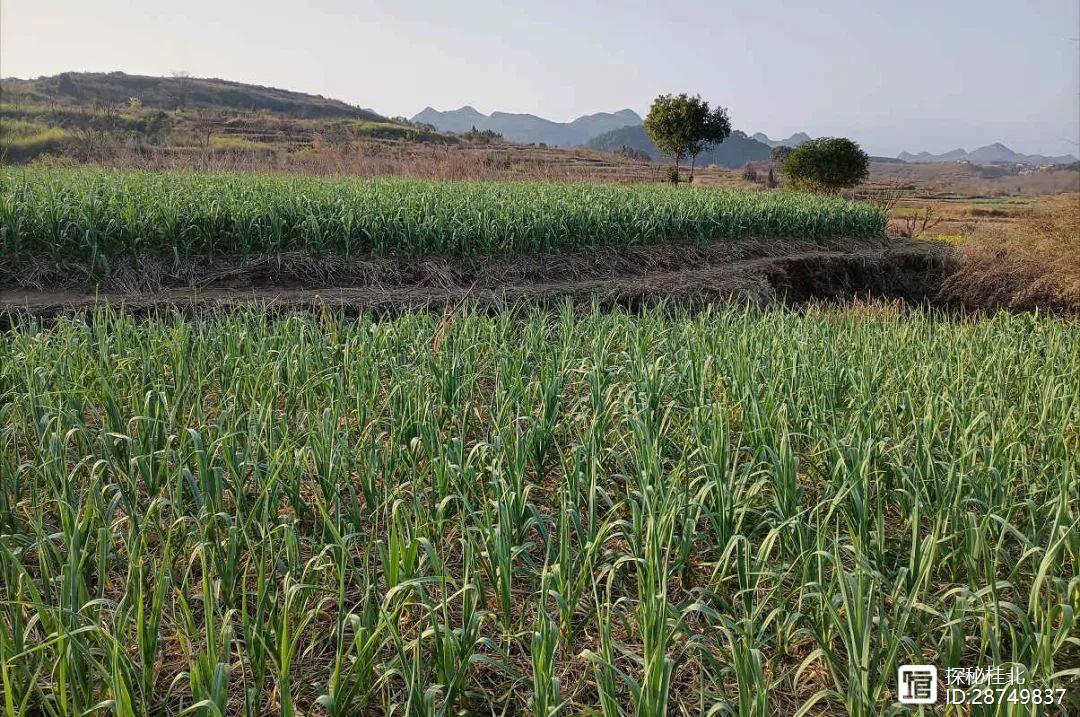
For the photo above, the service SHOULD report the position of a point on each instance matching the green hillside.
(735, 151)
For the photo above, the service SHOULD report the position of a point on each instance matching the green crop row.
(736, 512)
(90, 215)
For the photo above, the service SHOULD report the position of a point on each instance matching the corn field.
(732, 512)
(98, 216)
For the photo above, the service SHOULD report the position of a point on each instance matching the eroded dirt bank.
(759, 271)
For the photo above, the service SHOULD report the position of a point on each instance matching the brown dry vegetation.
(500, 161)
(961, 180)
(1031, 262)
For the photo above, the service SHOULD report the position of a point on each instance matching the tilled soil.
(756, 271)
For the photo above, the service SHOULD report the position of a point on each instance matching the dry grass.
(1032, 261)
(378, 158)
(966, 180)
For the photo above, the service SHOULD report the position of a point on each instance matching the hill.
(735, 151)
(99, 117)
(996, 153)
(526, 128)
(170, 93)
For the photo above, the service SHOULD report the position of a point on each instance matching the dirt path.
(758, 272)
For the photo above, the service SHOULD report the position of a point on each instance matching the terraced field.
(97, 217)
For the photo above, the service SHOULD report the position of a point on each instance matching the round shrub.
(826, 165)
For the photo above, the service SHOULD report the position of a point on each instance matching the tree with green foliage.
(682, 126)
(826, 165)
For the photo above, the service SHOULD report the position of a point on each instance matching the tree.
(205, 123)
(486, 136)
(682, 126)
(179, 87)
(826, 165)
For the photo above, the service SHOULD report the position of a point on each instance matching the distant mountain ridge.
(526, 128)
(733, 152)
(996, 153)
(168, 93)
(603, 130)
(793, 141)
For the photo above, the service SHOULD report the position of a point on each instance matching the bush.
(749, 173)
(486, 136)
(671, 176)
(826, 165)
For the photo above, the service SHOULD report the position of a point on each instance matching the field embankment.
(758, 272)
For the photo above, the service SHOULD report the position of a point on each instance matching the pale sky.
(915, 75)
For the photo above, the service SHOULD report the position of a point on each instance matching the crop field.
(98, 216)
(730, 512)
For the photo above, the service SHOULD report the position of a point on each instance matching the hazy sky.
(916, 75)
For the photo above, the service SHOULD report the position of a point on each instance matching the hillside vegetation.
(240, 122)
(733, 152)
(171, 93)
